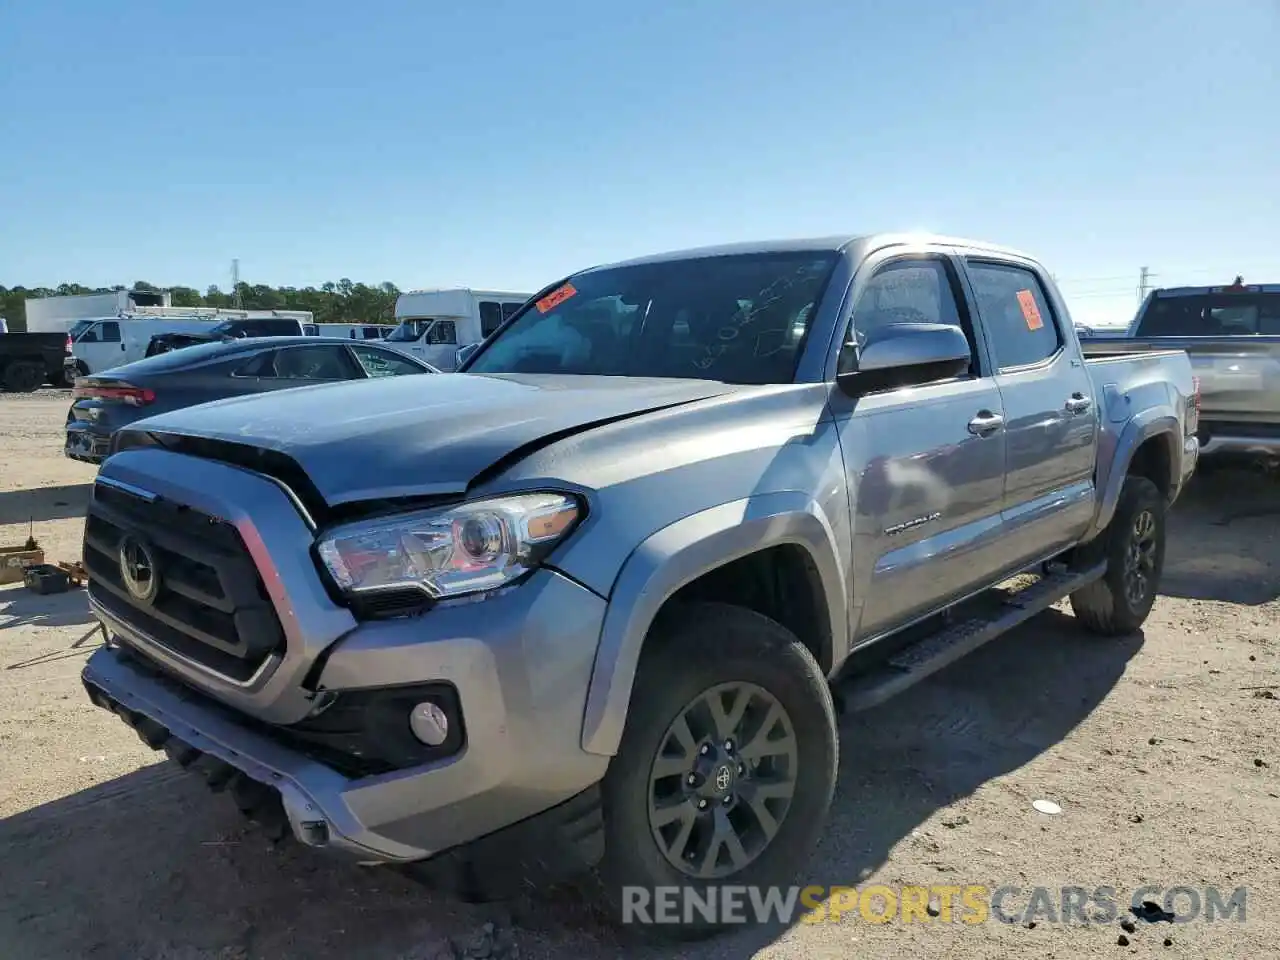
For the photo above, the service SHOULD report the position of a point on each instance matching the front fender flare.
(680, 553)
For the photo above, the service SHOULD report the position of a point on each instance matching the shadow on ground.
(1224, 538)
(152, 865)
(37, 504)
(19, 607)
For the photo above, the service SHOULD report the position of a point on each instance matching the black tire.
(23, 376)
(1107, 606)
(694, 650)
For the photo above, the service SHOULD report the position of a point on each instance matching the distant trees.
(341, 302)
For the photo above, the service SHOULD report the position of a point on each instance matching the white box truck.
(439, 325)
(57, 314)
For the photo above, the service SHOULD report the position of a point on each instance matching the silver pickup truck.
(593, 605)
(1232, 334)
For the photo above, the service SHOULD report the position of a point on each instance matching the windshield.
(221, 329)
(738, 319)
(408, 330)
(79, 327)
(1212, 315)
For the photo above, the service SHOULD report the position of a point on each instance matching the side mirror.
(901, 354)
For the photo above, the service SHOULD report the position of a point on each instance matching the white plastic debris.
(1047, 807)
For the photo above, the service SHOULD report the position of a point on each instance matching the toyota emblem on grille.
(138, 570)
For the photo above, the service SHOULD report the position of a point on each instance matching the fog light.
(429, 723)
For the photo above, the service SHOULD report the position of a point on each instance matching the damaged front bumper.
(320, 716)
(290, 794)
(168, 717)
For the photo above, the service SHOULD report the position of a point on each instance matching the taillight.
(1193, 408)
(123, 392)
(69, 343)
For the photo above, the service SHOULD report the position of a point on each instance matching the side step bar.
(912, 664)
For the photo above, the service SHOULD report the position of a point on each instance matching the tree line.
(341, 302)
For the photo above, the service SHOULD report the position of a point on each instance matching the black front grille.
(211, 605)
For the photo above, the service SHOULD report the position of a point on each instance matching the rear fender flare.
(1158, 422)
(678, 554)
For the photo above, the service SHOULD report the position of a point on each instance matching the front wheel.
(725, 772)
(1133, 546)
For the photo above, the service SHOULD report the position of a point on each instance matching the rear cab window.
(1211, 314)
(1013, 305)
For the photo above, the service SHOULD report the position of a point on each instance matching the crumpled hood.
(419, 435)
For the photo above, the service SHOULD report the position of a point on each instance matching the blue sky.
(504, 144)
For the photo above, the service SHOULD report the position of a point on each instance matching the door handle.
(1078, 403)
(985, 423)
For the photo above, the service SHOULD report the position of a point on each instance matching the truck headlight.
(466, 549)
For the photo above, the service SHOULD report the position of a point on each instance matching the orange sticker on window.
(556, 297)
(1030, 312)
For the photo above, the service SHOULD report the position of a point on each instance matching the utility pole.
(1144, 284)
(235, 283)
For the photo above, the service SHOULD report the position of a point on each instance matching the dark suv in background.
(227, 330)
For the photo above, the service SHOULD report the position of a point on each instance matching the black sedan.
(105, 402)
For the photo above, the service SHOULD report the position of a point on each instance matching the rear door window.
(312, 362)
(1013, 305)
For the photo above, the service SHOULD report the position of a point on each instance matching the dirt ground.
(1161, 750)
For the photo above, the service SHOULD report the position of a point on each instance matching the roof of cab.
(857, 245)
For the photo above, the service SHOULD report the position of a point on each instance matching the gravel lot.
(1161, 750)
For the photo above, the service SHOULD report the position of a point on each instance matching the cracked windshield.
(738, 318)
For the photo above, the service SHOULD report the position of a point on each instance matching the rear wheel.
(1133, 546)
(726, 768)
(23, 376)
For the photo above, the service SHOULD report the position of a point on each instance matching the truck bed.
(1239, 384)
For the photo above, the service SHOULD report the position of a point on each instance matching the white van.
(352, 331)
(99, 344)
(436, 325)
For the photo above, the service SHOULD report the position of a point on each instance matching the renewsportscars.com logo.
(969, 904)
